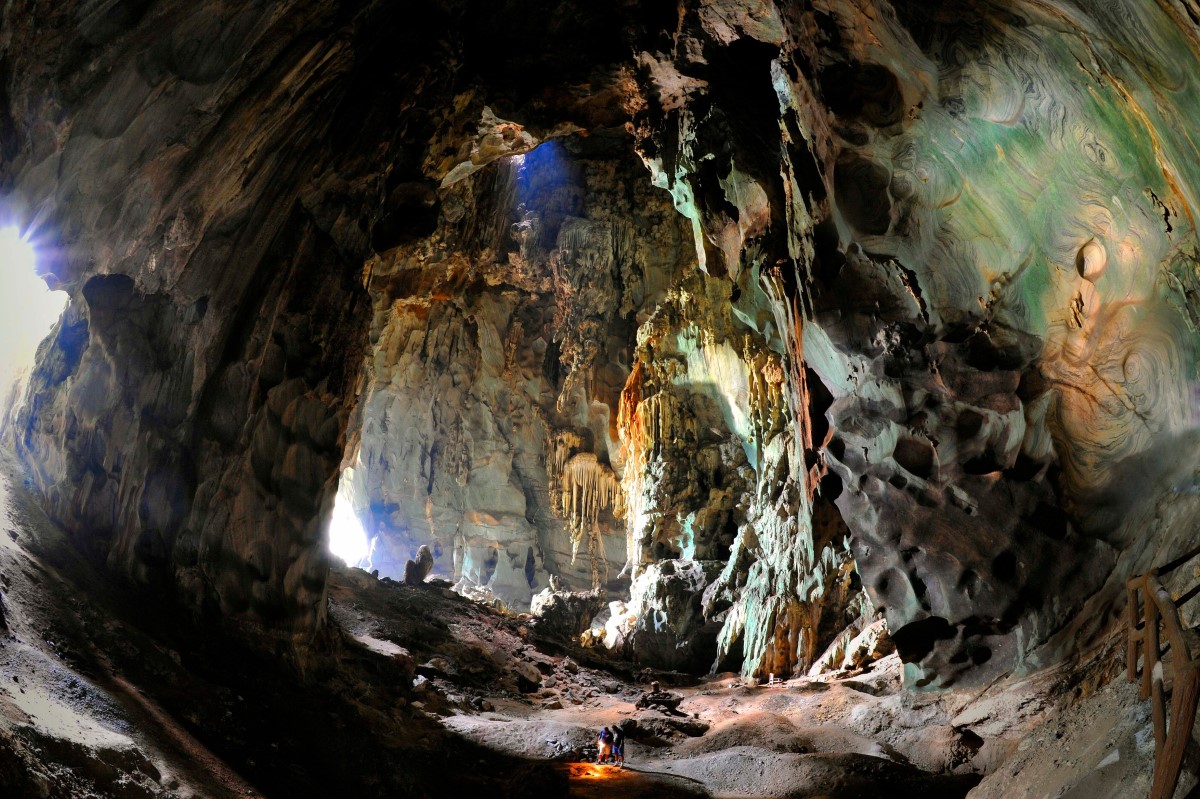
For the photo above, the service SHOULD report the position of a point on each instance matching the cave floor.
(420, 692)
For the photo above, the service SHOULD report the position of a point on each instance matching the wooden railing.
(1151, 607)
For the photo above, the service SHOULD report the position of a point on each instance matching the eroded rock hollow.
(728, 324)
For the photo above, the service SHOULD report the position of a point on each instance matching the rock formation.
(416, 570)
(759, 316)
(488, 423)
(933, 223)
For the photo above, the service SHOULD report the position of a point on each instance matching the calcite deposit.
(488, 420)
(762, 319)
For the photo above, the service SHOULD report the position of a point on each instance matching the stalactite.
(648, 425)
(560, 446)
(789, 316)
(589, 487)
(629, 423)
(776, 617)
(581, 488)
(767, 402)
(659, 421)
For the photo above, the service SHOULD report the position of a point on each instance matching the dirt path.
(178, 746)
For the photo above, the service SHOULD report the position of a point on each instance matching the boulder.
(565, 615)
(415, 571)
(670, 631)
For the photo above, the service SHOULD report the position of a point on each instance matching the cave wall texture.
(489, 429)
(794, 297)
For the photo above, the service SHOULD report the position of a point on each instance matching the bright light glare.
(28, 309)
(347, 539)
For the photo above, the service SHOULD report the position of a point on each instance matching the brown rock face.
(208, 183)
(899, 297)
(205, 206)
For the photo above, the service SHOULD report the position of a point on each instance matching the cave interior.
(394, 395)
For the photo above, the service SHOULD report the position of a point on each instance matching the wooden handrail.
(1151, 605)
(1191, 594)
(1179, 561)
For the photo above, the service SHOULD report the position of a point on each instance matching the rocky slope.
(100, 698)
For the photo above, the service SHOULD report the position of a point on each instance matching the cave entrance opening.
(29, 310)
(347, 536)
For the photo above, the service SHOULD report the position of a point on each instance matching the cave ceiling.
(760, 315)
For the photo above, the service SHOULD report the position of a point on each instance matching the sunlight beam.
(347, 539)
(28, 309)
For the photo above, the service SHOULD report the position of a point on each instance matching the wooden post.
(1169, 759)
(1150, 652)
(1147, 611)
(1133, 613)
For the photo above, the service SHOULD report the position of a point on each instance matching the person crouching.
(604, 743)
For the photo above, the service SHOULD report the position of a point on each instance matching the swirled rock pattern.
(988, 215)
(1003, 430)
